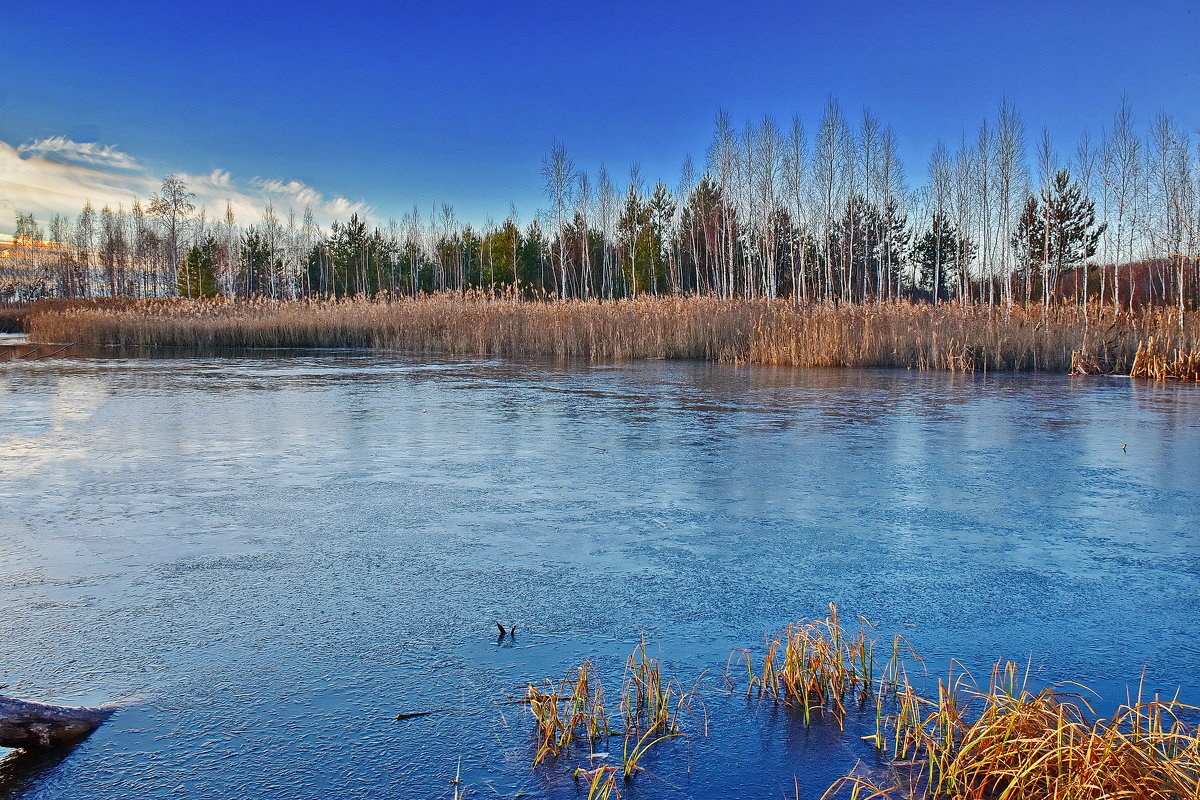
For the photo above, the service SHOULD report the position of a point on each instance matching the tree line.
(775, 211)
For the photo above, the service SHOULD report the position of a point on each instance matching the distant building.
(25, 265)
(26, 246)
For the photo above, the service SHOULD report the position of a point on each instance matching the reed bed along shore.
(1151, 343)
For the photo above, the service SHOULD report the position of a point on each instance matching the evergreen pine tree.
(1056, 233)
(198, 278)
(939, 258)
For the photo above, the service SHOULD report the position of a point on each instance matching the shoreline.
(1152, 343)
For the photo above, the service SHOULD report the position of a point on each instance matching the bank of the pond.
(12, 316)
(1150, 343)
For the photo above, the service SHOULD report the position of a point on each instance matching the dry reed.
(1001, 741)
(814, 665)
(602, 782)
(649, 701)
(1159, 360)
(652, 710)
(1153, 342)
(1007, 740)
(562, 711)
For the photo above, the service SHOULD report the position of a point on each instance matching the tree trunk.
(29, 725)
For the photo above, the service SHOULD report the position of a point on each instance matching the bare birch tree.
(173, 207)
(558, 171)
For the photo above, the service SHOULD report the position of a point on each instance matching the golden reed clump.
(1007, 740)
(1004, 739)
(1150, 343)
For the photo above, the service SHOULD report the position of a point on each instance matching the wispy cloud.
(32, 183)
(294, 194)
(300, 192)
(88, 154)
(57, 176)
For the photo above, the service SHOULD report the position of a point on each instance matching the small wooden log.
(30, 725)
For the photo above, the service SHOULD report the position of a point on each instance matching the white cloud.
(299, 192)
(341, 207)
(221, 178)
(57, 176)
(296, 194)
(44, 186)
(87, 154)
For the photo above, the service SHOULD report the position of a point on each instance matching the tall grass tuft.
(1160, 360)
(1008, 740)
(563, 711)
(815, 665)
(1154, 343)
(1002, 740)
(602, 782)
(650, 701)
(652, 710)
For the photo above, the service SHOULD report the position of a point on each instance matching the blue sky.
(381, 106)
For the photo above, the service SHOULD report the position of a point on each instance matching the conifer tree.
(198, 278)
(940, 254)
(1057, 232)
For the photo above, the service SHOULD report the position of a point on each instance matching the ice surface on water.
(269, 559)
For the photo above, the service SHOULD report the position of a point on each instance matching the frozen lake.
(268, 558)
